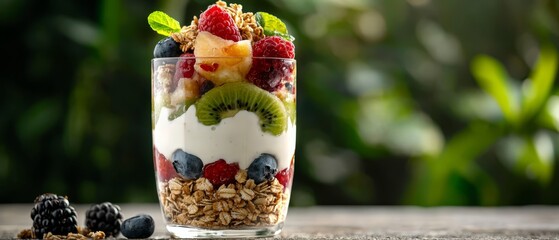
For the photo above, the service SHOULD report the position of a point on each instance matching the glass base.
(181, 231)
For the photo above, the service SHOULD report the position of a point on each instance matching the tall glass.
(223, 142)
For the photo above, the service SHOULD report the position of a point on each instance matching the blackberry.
(104, 217)
(53, 213)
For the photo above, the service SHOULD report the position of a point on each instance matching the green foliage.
(493, 78)
(163, 23)
(532, 151)
(272, 25)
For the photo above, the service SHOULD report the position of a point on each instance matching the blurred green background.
(423, 102)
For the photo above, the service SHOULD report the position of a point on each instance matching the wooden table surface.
(364, 222)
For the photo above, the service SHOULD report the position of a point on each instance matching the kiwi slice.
(228, 99)
(291, 109)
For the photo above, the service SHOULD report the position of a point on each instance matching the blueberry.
(289, 87)
(263, 168)
(167, 47)
(139, 226)
(206, 86)
(187, 165)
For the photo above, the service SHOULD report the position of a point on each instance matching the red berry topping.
(184, 69)
(268, 73)
(219, 172)
(209, 68)
(274, 47)
(284, 176)
(163, 166)
(217, 21)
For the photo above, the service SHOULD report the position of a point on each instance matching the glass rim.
(266, 58)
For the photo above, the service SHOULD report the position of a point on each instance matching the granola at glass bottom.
(244, 203)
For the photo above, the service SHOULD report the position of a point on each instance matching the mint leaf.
(163, 23)
(272, 25)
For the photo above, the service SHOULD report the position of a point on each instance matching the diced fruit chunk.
(187, 89)
(222, 60)
(263, 168)
(219, 172)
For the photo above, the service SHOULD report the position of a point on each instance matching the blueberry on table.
(263, 168)
(167, 47)
(139, 226)
(187, 165)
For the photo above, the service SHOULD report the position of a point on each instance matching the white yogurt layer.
(235, 139)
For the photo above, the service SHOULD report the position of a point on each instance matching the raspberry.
(274, 47)
(268, 73)
(217, 21)
(164, 167)
(185, 67)
(219, 172)
(284, 176)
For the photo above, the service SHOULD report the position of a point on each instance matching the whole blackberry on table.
(104, 217)
(53, 213)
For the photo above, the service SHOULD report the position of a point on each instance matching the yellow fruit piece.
(187, 89)
(221, 60)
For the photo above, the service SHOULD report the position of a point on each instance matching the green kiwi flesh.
(228, 99)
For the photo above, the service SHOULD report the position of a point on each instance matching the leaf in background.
(492, 77)
(549, 117)
(163, 23)
(536, 158)
(37, 120)
(272, 26)
(540, 82)
(458, 157)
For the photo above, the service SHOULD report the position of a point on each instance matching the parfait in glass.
(224, 122)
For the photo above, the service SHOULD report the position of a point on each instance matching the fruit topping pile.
(230, 60)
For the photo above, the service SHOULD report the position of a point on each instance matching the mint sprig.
(272, 25)
(163, 23)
